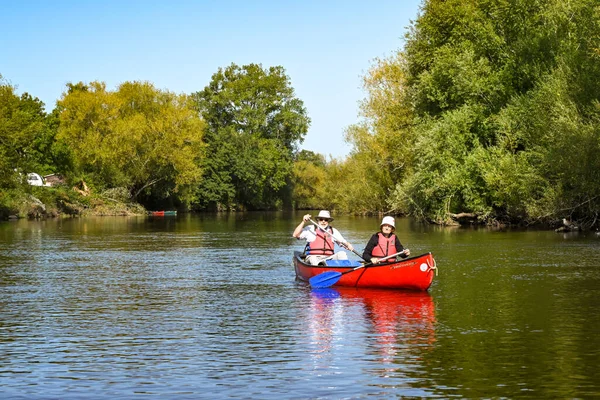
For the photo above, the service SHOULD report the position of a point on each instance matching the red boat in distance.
(162, 213)
(413, 273)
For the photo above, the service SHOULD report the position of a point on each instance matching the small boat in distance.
(412, 273)
(162, 213)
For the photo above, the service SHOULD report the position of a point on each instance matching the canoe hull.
(162, 213)
(413, 273)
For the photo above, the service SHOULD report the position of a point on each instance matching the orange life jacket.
(323, 244)
(385, 247)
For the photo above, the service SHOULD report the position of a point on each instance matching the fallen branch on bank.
(464, 218)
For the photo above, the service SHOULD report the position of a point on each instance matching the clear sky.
(325, 47)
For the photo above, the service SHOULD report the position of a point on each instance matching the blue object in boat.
(342, 263)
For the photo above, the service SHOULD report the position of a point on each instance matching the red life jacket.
(385, 247)
(323, 244)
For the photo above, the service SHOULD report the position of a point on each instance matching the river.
(207, 306)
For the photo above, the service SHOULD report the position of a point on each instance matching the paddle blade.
(325, 279)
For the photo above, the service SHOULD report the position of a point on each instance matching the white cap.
(388, 221)
(325, 214)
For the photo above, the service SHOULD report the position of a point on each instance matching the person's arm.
(367, 254)
(300, 226)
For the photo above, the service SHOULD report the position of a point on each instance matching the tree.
(504, 96)
(255, 124)
(25, 131)
(146, 140)
(308, 180)
(382, 144)
(491, 109)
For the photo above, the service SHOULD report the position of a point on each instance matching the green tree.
(490, 110)
(504, 96)
(25, 134)
(138, 137)
(255, 124)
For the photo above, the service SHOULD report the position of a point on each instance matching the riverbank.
(51, 202)
(61, 201)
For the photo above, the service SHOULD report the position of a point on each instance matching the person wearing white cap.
(320, 239)
(384, 243)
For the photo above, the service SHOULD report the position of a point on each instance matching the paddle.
(335, 240)
(329, 278)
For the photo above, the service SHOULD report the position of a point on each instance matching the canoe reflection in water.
(399, 325)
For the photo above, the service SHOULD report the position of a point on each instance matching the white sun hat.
(388, 221)
(325, 214)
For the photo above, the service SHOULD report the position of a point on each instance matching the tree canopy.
(26, 136)
(255, 123)
(490, 109)
(146, 140)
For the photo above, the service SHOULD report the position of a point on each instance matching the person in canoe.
(384, 243)
(320, 239)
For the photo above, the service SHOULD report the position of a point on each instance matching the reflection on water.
(397, 324)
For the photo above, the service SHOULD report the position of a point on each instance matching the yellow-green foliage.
(308, 180)
(137, 137)
(362, 183)
(382, 145)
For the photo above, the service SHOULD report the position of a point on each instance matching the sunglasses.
(322, 219)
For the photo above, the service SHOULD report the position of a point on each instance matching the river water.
(206, 306)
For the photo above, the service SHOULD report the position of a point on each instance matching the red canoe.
(162, 213)
(413, 273)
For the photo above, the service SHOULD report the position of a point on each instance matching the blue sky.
(325, 47)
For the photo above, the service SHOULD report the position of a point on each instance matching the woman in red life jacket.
(320, 240)
(384, 243)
